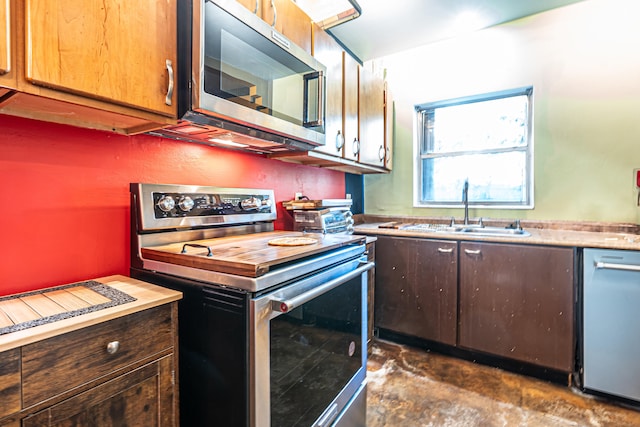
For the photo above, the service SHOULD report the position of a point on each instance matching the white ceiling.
(386, 27)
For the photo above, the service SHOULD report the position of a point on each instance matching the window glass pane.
(493, 177)
(497, 123)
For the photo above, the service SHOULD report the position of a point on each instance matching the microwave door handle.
(285, 306)
(319, 120)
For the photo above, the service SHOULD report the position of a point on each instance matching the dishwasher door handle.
(614, 266)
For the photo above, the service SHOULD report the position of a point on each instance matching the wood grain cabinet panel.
(330, 54)
(69, 361)
(517, 301)
(389, 120)
(113, 50)
(350, 104)
(285, 17)
(416, 287)
(371, 119)
(9, 382)
(5, 36)
(7, 46)
(129, 400)
(289, 20)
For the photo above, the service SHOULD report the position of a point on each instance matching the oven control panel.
(158, 207)
(179, 205)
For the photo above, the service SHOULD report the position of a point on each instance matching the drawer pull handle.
(169, 65)
(472, 252)
(445, 250)
(113, 347)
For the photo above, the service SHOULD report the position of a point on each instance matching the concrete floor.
(409, 387)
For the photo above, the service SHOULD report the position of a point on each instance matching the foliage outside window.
(485, 139)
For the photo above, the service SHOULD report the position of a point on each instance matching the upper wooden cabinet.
(120, 51)
(346, 118)
(351, 74)
(285, 17)
(389, 120)
(7, 46)
(371, 118)
(330, 54)
(106, 65)
(5, 36)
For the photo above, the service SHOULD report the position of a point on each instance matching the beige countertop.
(146, 296)
(611, 238)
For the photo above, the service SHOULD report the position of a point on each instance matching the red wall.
(65, 195)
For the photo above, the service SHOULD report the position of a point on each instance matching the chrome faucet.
(465, 200)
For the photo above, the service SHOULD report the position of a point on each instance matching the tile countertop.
(146, 296)
(555, 233)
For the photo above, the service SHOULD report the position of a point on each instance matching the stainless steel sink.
(469, 229)
(496, 231)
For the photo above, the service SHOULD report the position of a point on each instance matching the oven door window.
(315, 350)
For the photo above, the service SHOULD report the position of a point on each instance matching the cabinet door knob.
(356, 146)
(339, 141)
(113, 347)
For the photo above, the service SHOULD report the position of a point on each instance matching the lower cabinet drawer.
(62, 363)
(9, 382)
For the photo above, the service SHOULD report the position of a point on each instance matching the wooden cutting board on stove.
(248, 255)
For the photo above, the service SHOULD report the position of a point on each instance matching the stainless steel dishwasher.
(611, 317)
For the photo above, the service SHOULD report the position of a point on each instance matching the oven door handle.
(285, 306)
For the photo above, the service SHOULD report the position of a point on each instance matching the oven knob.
(250, 204)
(166, 203)
(186, 203)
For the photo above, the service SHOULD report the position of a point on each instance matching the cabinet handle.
(445, 250)
(381, 153)
(113, 347)
(356, 146)
(275, 14)
(170, 86)
(472, 251)
(339, 141)
(388, 155)
(255, 11)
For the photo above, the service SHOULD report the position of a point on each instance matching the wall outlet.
(297, 196)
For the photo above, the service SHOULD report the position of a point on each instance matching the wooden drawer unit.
(9, 382)
(86, 357)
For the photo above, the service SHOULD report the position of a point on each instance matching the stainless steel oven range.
(272, 325)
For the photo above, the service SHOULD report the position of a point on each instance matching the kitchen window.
(485, 140)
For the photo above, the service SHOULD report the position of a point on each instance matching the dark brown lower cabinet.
(517, 301)
(416, 287)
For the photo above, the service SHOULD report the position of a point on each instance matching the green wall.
(583, 62)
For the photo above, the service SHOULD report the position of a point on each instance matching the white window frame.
(418, 136)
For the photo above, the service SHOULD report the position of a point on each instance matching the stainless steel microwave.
(243, 84)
